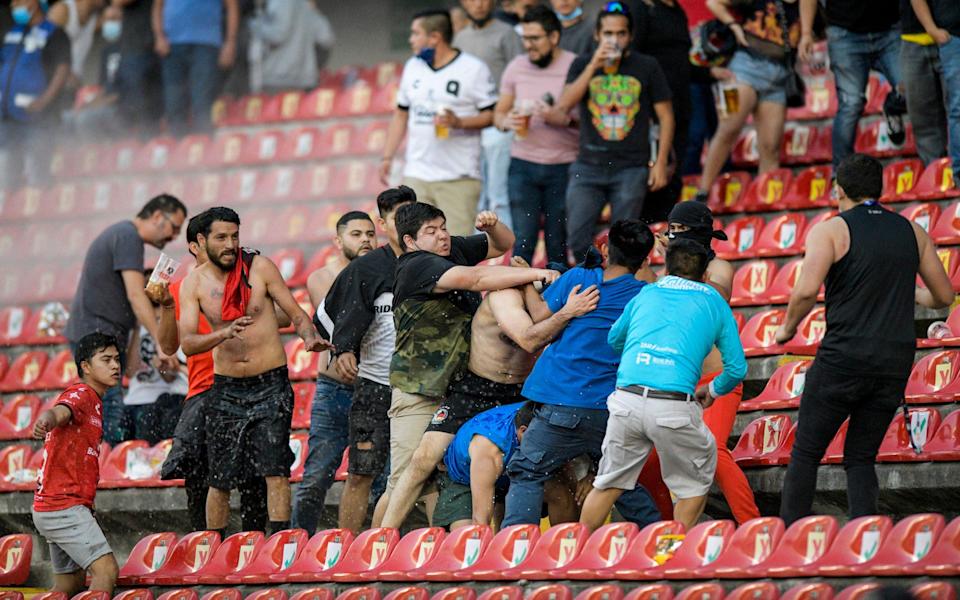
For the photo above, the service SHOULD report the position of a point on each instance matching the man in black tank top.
(869, 258)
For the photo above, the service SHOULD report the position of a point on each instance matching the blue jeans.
(139, 88)
(191, 80)
(703, 124)
(557, 435)
(950, 60)
(539, 191)
(329, 428)
(496, 160)
(852, 55)
(591, 188)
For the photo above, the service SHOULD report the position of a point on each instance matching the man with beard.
(248, 423)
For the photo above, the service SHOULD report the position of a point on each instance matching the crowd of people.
(499, 394)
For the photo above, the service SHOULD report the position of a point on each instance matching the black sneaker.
(701, 197)
(894, 108)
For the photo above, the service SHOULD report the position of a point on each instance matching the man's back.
(497, 425)
(493, 355)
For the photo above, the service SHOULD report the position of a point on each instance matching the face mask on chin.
(576, 14)
(21, 15)
(427, 55)
(112, 30)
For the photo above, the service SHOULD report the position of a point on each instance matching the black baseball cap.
(695, 215)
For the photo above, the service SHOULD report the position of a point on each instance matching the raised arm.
(499, 237)
(49, 420)
(486, 464)
(486, 278)
(168, 337)
(816, 264)
(508, 309)
(575, 90)
(939, 291)
(280, 293)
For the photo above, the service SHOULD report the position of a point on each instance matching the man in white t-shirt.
(445, 98)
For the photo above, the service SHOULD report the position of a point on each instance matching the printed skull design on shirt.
(614, 103)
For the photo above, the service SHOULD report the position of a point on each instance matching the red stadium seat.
(233, 555)
(60, 372)
(415, 550)
(604, 550)
(751, 282)
(556, 548)
(223, 594)
(315, 181)
(268, 594)
(651, 591)
(702, 546)
(809, 333)
(752, 544)
(305, 143)
(510, 548)
(803, 544)
(318, 558)
(301, 364)
(12, 322)
(204, 189)
(552, 591)
(154, 156)
(782, 236)
(411, 592)
(302, 400)
(762, 442)
(758, 334)
(822, 216)
(298, 445)
(642, 552)
(227, 150)
(51, 596)
(783, 283)
(366, 554)
(945, 445)
(92, 595)
(360, 593)
(277, 554)
(455, 593)
(371, 140)
(277, 185)
(460, 549)
(701, 591)
(17, 417)
(907, 545)
(947, 228)
(4, 365)
(943, 560)
(876, 92)
(809, 591)
(899, 180)
(283, 107)
(250, 109)
(727, 191)
(289, 261)
(745, 152)
(338, 139)
(503, 592)
(607, 591)
(856, 545)
(820, 100)
(896, 447)
(924, 215)
(742, 235)
(318, 104)
(240, 187)
(140, 594)
(799, 144)
(934, 590)
(354, 101)
(317, 593)
(147, 557)
(757, 590)
(935, 379)
(193, 552)
(766, 192)
(15, 471)
(937, 181)
(191, 153)
(834, 453)
(184, 594)
(782, 390)
(385, 99)
(134, 464)
(25, 372)
(15, 554)
(262, 148)
(25, 204)
(873, 139)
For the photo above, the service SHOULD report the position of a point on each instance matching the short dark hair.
(861, 177)
(686, 258)
(353, 215)
(437, 20)
(193, 228)
(89, 345)
(629, 243)
(389, 199)
(165, 203)
(615, 9)
(544, 16)
(207, 218)
(525, 414)
(411, 217)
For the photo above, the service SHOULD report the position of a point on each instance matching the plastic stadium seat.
(371, 140)
(355, 100)
(782, 390)
(820, 100)
(553, 591)
(140, 594)
(131, 464)
(874, 139)
(318, 558)
(782, 236)
(651, 591)
(92, 595)
(277, 185)
(193, 552)
(834, 453)
(277, 554)
(301, 364)
(17, 417)
(227, 150)
(268, 594)
(799, 142)
(899, 180)
(15, 554)
(766, 192)
(262, 148)
(934, 590)
(182, 594)
(783, 283)
(51, 596)
(460, 549)
(191, 153)
(757, 590)
(752, 544)
(289, 261)
(896, 447)
(282, 107)
(366, 554)
(607, 591)
(233, 554)
(510, 548)
(925, 215)
(154, 156)
(801, 546)
(298, 445)
(240, 187)
(947, 228)
(745, 152)
(415, 550)
(907, 545)
(60, 372)
(317, 593)
(25, 204)
(726, 192)
(503, 592)
(455, 593)
(305, 143)
(702, 545)
(223, 594)
(935, 379)
(12, 322)
(809, 591)
(751, 282)
(318, 104)
(855, 547)
(303, 393)
(810, 332)
(763, 442)
(15, 471)
(302, 297)
(604, 550)
(944, 558)
(742, 235)
(758, 334)
(338, 139)
(360, 593)
(641, 552)
(937, 181)
(859, 591)
(945, 445)
(25, 372)
(560, 545)
(250, 109)
(876, 93)
(411, 592)
(315, 181)
(147, 557)
(701, 591)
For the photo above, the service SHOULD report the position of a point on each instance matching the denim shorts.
(767, 77)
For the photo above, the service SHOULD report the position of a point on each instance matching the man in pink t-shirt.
(542, 149)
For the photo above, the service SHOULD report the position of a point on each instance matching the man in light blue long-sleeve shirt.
(664, 334)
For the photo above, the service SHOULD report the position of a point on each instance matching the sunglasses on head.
(614, 7)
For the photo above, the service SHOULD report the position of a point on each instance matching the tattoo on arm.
(216, 294)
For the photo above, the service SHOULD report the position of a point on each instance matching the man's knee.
(105, 567)
(355, 481)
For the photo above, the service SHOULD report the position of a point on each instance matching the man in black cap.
(694, 221)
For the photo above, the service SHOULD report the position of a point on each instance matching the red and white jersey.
(71, 454)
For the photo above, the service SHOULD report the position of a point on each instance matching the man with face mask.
(577, 36)
(98, 117)
(34, 68)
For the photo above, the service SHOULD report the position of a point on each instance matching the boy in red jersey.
(67, 482)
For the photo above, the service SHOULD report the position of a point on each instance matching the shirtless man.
(248, 423)
(504, 344)
(329, 423)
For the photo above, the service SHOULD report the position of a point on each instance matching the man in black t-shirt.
(618, 92)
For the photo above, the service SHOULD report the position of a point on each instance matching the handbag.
(795, 88)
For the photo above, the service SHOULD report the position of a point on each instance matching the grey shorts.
(768, 78)
(75, 538)
(688, 452)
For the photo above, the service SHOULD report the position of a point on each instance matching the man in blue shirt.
(656, 403)
(575, 374)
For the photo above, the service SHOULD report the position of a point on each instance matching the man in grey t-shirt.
(577, 34)
(111, 296)
(495, 43)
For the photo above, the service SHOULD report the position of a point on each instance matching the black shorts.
(468, 397)
(369, 423)
(248, 428)
(188, 455)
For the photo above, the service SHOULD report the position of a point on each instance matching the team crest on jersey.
(440, 416)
